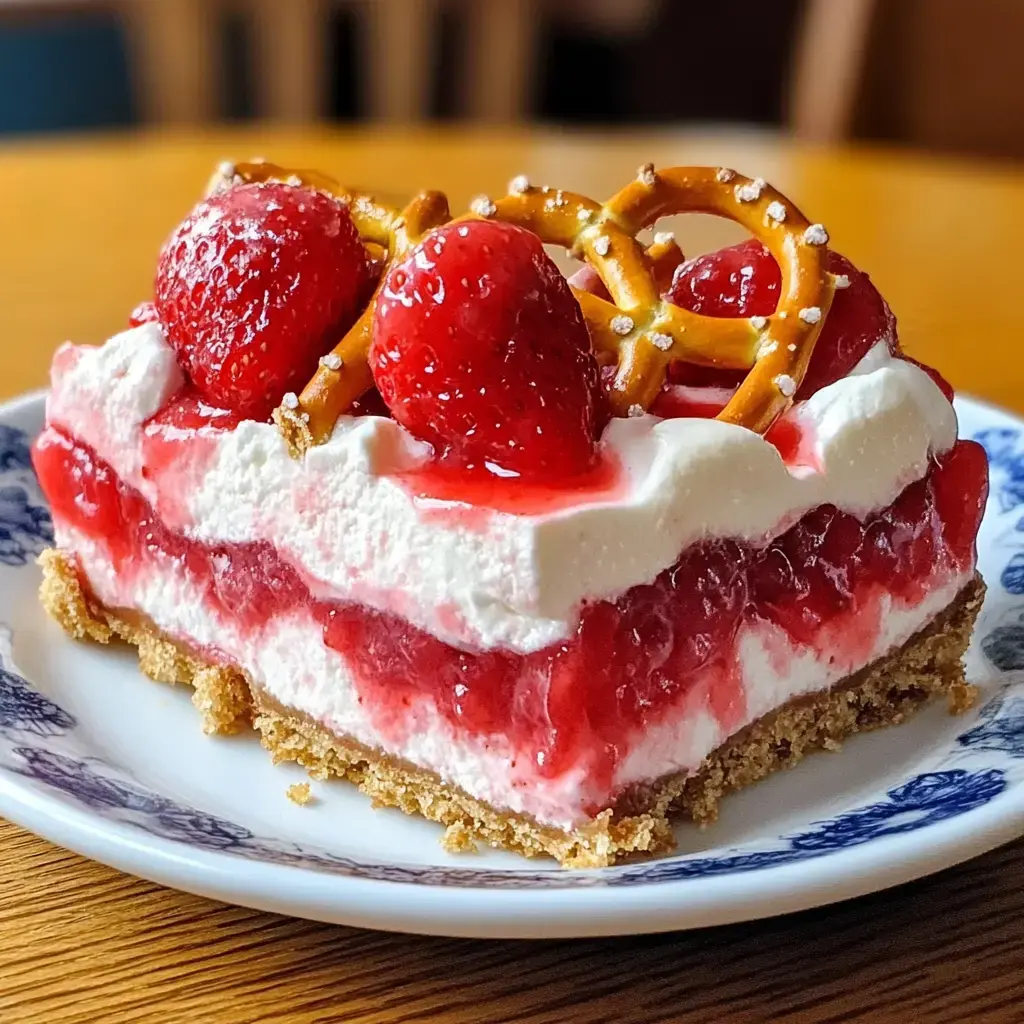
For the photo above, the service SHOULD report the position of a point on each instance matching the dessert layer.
(883, 693)
(557, 780)
(649, 684)
(509, 568)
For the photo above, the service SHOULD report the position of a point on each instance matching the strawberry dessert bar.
(551, 562)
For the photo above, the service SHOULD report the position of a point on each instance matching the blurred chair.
(171, 50)
(828, 67)
(290, 56)
(176, 65)
(399, 40)
(501, 65)
(501, 43)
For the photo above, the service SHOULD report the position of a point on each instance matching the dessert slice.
(548, 565)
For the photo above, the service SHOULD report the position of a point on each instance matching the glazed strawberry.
(143, 313)
(480, 348)
(744, 280)
(254, 287)
(186, 413)
(740, 280)
(370, 404)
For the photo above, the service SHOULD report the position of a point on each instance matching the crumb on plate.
(300, 793)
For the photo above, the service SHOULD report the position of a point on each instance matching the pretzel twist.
(638, 331)
(643, 332)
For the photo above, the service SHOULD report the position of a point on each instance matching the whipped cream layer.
(288, 659)
(344, 518)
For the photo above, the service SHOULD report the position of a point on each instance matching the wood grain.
(80, 942)
(80, 224)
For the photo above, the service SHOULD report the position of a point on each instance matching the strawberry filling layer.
(822, 586)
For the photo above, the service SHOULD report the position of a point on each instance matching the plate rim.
(519, 912)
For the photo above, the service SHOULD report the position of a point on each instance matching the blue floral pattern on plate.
(14, 449)
(25, 529)
(38, 740)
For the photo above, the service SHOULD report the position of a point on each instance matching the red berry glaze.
(254, 286)
(143, 313)
(744, 280)
(480, 349)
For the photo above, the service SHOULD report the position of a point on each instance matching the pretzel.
(373, 219)
(640, 331)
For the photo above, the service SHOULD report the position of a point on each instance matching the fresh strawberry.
(254, 287)
(744, 280)
(143, 313)
(480, 348)
(370, 404)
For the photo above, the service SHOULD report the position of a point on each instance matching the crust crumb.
(458, 838)
(300, 793)
(962, 697)
(221, 694)
(63, 598)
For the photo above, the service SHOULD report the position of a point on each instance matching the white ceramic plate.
(96, 758)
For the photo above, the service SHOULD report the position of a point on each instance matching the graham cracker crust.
(883, 693)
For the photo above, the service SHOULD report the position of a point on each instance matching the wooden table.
(80, 224)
